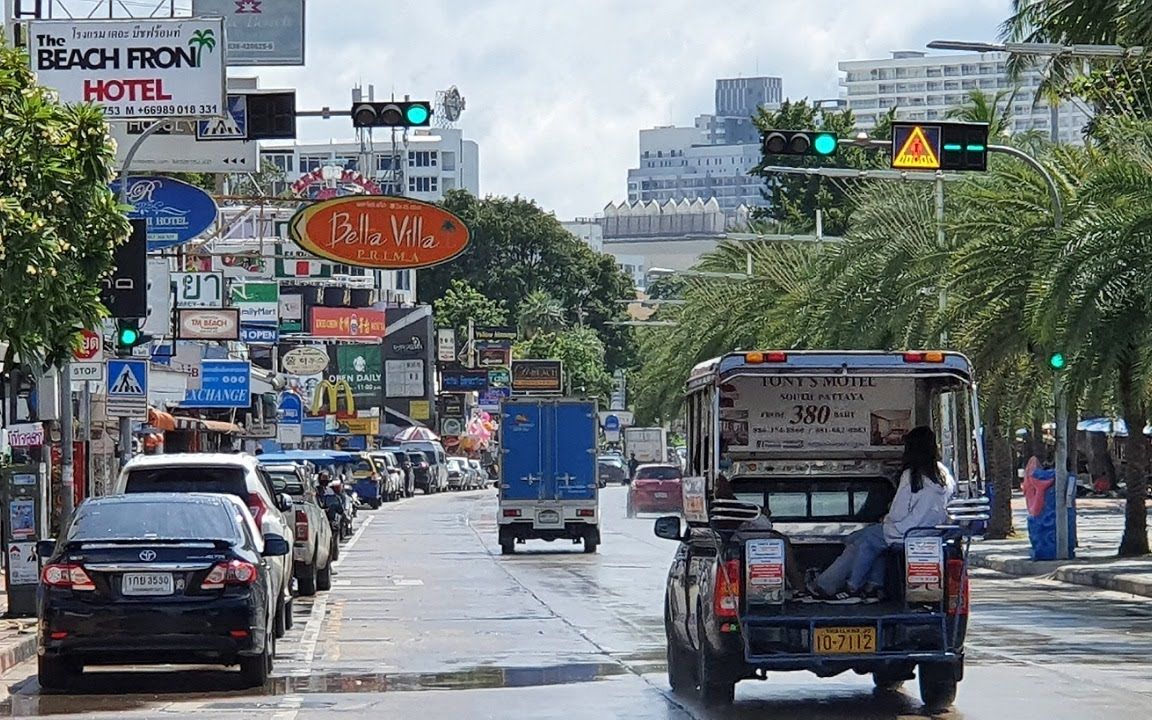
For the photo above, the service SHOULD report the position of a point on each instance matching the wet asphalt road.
(426, 620)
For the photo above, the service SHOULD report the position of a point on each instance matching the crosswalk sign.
(916, 147)
(128, 388)
(233, 125)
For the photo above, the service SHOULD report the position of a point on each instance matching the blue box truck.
(548, 488)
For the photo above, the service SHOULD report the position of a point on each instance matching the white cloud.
(557, 91)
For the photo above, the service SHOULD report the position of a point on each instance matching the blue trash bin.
(1042, 529)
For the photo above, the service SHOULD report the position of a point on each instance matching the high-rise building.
(925, 87)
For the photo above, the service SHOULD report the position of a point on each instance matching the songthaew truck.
(548, 488)
(649, 445)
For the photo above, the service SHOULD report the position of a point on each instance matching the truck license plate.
(548, 517)
(660, 496)
(844, 641)
(147, 584)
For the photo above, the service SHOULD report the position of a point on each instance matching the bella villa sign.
(384, 233)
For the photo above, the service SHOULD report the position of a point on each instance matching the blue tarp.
(319, 458)
(1042, 528)
(1108, 426)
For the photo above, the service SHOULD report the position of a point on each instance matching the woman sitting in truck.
(922, 497)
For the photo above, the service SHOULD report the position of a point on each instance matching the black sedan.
(180, 578)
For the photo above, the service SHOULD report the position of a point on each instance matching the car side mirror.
(45, 548)
(668, 527)
(276, 546)
(285, 502)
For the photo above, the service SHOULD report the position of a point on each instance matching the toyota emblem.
(147, 555)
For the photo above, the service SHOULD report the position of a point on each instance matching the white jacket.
(926, 508)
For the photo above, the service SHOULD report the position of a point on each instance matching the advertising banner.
(223, 324)
(362, 367)
(260, 32)
(223, 384)
(537, 376)
(404, 378)
(347, 322)
(174, 211)
(162, 68)
(199, 290)
(840, 412)
(463, 380)
(291, 313)
(259, 302)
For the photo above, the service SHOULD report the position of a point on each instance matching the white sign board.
(134, 68)
(86, 372)
(180, 151)
(199, 290)
(446, 345)
(787, 412)
(404, 378)
(159, 319)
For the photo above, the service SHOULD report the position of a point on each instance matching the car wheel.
(590, 543)
(306, 581)
(334, 551)
(631, 508)
(713, 687)
(279, 629)
(507, 543)
(937, 686)
(681, 664)
(324, 577)
(255, 669)
(57, 674)
(288, 621)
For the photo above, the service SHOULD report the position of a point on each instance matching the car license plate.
(548, 517)
(660, 496)
(147, 584)
(844, 641)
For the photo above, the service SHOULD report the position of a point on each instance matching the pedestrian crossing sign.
(916, 147)
(232, 125)
(127, 388)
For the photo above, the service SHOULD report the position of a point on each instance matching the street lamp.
(1039, 49)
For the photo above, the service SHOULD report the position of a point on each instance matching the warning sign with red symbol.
(915, 147)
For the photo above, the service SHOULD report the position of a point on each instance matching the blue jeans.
(858, 564)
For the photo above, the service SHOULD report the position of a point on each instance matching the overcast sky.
(557, 91)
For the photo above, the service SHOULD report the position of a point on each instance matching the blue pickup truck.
(548, 487)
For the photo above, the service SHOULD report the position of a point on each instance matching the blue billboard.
(223, 384)
(175, 211)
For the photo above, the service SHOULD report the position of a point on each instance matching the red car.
(656, 488)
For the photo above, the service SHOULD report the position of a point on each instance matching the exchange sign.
(133, 68)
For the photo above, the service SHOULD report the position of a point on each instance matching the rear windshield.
(658, 473)
(228, 480)
(862, 500)
(417, 457)
(363, 467)
(286, 482)
(430, 456)
(159, 520)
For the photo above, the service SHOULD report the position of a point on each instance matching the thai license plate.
(660, 496)
(844, 641)
(147, 584)
(548, 517)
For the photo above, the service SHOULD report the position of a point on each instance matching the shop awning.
(161, 420)
(199, 425)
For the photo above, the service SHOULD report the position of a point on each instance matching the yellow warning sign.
(916, 153)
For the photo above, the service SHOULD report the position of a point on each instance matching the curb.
(1072, 574)
(18, 652)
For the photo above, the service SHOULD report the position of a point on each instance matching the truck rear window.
(658, 473)
(185, 479)
(856, 500)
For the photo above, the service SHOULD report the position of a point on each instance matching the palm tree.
(540, 313)
(995, 110)
(1090, 22)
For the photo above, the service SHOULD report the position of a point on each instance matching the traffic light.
(965, 146)
(940, 146)
(790, 142)
(393, 113)
(128, 336)
(1057, 361)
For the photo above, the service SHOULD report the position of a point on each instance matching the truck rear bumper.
(549, 516)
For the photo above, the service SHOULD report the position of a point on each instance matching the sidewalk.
(1100, 523)
(17, 639)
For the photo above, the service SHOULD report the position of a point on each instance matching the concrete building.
(587, 229)
(925, 87)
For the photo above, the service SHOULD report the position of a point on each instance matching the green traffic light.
(824, 144)
(1057, 361)
(417, 114)
(128, 336)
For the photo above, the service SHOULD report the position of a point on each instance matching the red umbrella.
(421, 434)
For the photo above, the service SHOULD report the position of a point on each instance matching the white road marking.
(289, 707)
(355, 539)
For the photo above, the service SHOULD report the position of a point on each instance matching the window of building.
(282, 161)
(951, 71)
(385, 163)
(935, 72)
(422, 158)
(349, 270)
(347, 161)
(448, 161)
(308, 163)
(423, 184)
(404, 280)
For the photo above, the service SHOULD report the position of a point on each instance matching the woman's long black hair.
(921, 457)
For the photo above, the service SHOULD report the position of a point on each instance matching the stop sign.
(91, 347)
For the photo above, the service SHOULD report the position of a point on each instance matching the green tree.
(540, 313)
(1089, 22)
(261, 183)
(995, 110)
(582, 353)
(461, 302)
(59, 221)
(516, 248)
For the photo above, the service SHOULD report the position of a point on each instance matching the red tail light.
(236, 572)
(258, 508)
(726, 598)
(301, 525)
(957, 585)
(511, 512)
(585, 512)
(67, 576)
